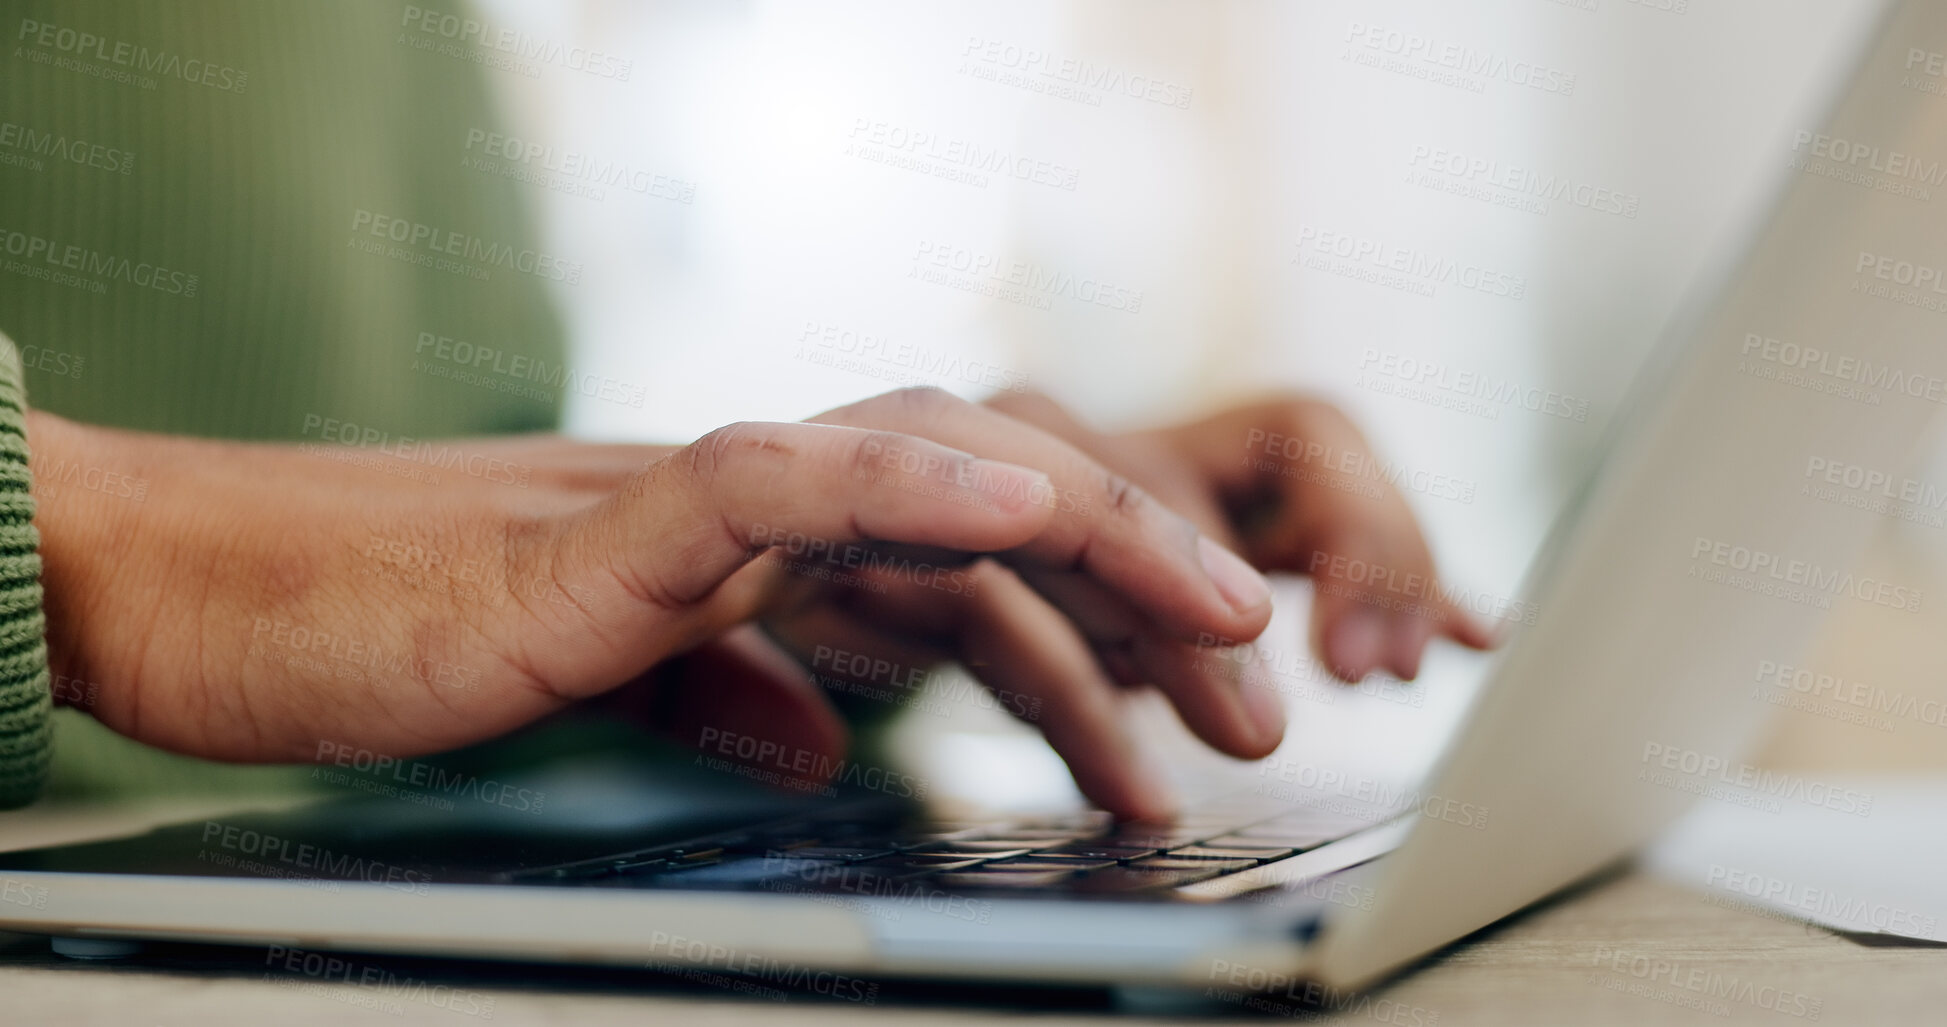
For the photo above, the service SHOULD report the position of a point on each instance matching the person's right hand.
(258, 602)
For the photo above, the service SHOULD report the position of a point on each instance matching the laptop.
(1709, 542)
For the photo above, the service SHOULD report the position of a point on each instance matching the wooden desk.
(1616, 952)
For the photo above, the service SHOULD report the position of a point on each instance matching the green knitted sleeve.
(25, 738)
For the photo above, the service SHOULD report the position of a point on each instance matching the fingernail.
(1265, 709)
(1241, 585)
(1355, 641)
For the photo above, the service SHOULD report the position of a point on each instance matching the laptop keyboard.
(1080, 853)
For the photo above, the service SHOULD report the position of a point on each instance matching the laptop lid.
(1723, 525)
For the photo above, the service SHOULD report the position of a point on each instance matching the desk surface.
(1586, 958)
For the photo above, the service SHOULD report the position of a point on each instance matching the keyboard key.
(771, 842)
(839, 853)
(1095, 850)
(1033, 861)
(1031, 839)
(1155, 836)
(1158, 864)
(1081, 822)
(907, 865)
(1261, 854)
(1283, 837)
(970, 849)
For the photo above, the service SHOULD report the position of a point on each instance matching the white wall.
(1253, 129)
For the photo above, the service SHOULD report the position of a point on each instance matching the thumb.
(647, 565)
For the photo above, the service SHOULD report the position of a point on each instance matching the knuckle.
(1032, 407)
(871, 450)
(708, 457)
(923, 401)
(1124, 498)
(1303, 415)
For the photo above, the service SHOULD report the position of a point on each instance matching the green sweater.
(239, 218)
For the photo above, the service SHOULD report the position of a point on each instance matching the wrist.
(89, 500)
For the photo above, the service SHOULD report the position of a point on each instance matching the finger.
(741, 699)
(645, 557)
(1323, 507)
(855, 656)
(1102, 525)
(1244, 722)
(1035, 662)
(1149, 457)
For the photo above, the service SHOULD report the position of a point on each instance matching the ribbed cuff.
(26, 738)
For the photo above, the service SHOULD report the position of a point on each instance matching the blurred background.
(1465, 224)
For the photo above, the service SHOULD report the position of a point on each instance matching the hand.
(259, 601)
(1231, 476)
(1292, 484)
